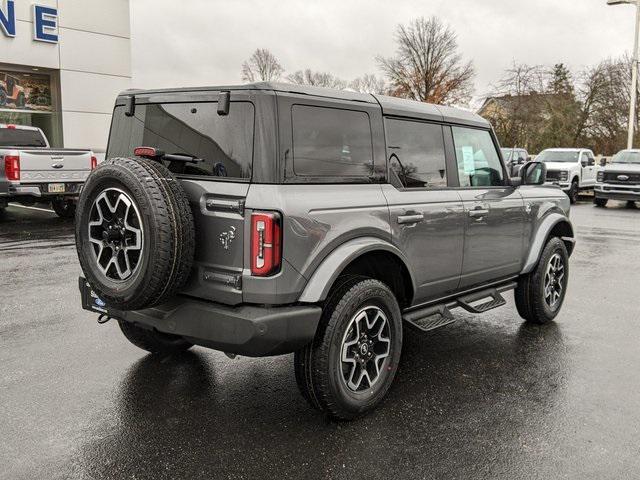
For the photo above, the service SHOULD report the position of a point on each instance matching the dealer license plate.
(56, 188)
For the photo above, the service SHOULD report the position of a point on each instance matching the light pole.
(634, 72)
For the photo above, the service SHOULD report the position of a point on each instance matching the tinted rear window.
(223, 142)
(10, 137)
(331, 142)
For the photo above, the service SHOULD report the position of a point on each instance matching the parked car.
(34, 172)
(619, 179)
(574, 169)
(514, 159)
(269, 218)
(11, 91)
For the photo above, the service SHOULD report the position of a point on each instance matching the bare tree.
(262, 66)
(427, 66)
(317, 79)
(369, 84)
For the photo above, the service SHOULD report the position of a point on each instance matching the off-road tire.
(168, 233)
(573, 191)
(529, 294)
(64, 208)
(152, 340)
(316, 369)
(600, 202)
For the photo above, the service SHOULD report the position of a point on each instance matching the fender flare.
(541, 236)
(333, 265)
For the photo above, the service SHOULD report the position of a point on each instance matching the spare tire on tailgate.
(134, 233)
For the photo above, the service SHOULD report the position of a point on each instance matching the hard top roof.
(390, 105)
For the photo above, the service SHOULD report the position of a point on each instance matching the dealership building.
(62, 63)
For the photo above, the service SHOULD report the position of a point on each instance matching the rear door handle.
(478, 212)
(410, 218)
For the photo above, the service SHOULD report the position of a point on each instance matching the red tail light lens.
(266, 244)
(94, 162)
(12, 167)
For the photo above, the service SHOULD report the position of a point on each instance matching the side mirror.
(603, 161)
(584, 163)
(533, 173)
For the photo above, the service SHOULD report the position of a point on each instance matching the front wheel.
(64, 208)
(350, 365)
(600, 202)
(540, 294)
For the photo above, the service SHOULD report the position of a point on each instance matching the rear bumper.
(254, 331)
(616, 192)
(40, 190)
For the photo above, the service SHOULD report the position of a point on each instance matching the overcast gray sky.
(204, 42)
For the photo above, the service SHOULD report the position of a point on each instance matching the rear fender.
(331, 267)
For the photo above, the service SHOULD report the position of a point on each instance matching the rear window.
(222, 144)
(331, 142)
(10, 137)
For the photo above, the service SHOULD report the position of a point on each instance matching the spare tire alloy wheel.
(116, 233)
(365, 346)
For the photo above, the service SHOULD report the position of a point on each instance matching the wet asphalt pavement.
(486, 397)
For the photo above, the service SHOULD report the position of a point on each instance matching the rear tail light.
(11, 127)
(94, 162)
(266, 244)
(146, 152)
(12, 167)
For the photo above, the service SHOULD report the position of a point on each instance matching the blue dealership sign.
(45, 22)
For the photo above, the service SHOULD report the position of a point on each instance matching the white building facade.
(62, 63)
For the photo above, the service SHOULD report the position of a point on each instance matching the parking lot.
(486, 397)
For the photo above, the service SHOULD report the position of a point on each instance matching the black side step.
(430, 318)
(435, 316)
(496, 301)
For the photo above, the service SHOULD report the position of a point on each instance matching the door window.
(416, 153)
(477, 158)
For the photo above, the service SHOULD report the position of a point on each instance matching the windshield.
(221, 145)
(558, 156)
(10, 137)
(626, 156)
(506, 153)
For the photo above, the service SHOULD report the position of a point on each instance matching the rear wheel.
(600, 202)
(540, 294)
(631, 204)
(573, 191)
(64, 208)
(153, 341)
(349, 367)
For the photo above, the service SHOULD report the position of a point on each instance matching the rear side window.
(478, 160)
(14, 137)
(331, 142)
(222, 143)
(416, 153)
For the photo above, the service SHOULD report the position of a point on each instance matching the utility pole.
(634, 72)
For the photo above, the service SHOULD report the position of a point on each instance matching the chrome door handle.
(412, 218)
(478, 212)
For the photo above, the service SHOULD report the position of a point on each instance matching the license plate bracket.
(91, 301)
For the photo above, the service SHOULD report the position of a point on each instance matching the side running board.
(435, 316)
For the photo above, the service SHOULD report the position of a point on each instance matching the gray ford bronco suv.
(267, 219)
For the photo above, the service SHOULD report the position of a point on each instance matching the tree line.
(534, 107)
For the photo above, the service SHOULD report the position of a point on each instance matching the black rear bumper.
(254, 331)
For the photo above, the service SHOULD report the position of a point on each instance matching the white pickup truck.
(574, 169)
(32, 172)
